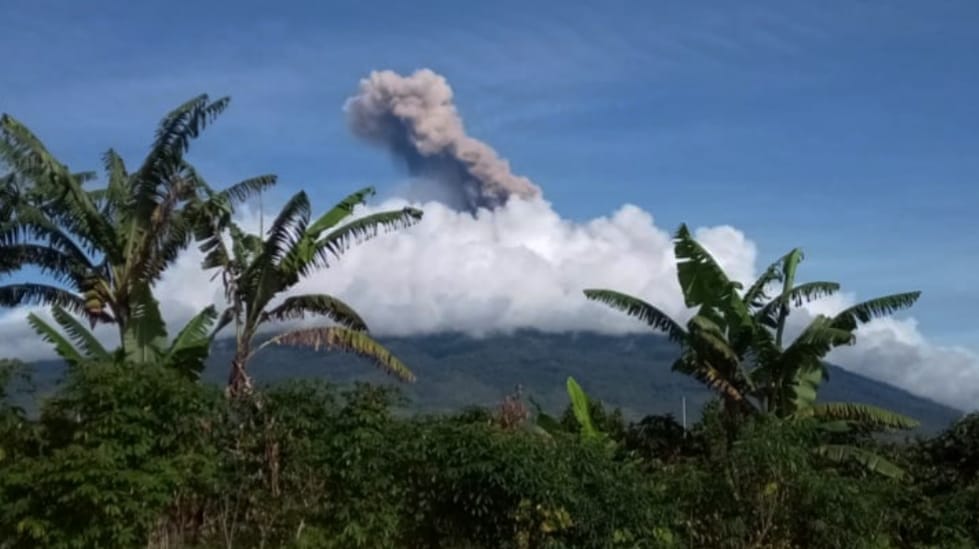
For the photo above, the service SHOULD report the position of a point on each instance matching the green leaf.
(341, 211)
(702, 280)
(869, 460)
(804, 383)
(339, 240)
(189, 350)
(62, 346)
(582, 412)
(348, 340)
(300, 306)
(803, 293)
(287, 228)
(145, 335)
(755, 296)
(703, 371)
(875, 308)
(819, 337)
(185, 123)
(117, 190)
(638, 308)
(81, 336)
(790, 264)
(13, 295)
(243, 190)
(864, 414)
(708, 338)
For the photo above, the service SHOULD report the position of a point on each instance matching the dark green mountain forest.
(456, 371)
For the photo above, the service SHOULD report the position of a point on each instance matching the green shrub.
(120, 442)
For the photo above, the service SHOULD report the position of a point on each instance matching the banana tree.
(716, 340)
(256, 272)
(77, 345)
(733, 343)
(104, 249)
(789, 377)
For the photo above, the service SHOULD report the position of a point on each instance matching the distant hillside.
(454, 371)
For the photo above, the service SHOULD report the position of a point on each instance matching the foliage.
(307, 464)
(257, 271)
(134, 449)
(763, 488)
(114, 431)
(105, 248)
(186, 353)
(734, 343)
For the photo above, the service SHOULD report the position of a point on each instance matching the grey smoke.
(414, 117)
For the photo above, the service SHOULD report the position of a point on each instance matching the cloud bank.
(524, 266)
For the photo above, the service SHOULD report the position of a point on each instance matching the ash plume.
(414, 117)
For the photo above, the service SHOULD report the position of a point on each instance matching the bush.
(125, 456)
(765, 488)
(485, 487)
(119, 443)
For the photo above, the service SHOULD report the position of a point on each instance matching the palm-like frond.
(701, 278)
(61, 267)
(287, 228)
(341, 211)
(864, 414)
(243, 190)
(707, 338)
(227, 317)
(872, 462)
(32, 226)
(802, 387)
(712, 378)
(638, 308)
(790, 263)
(183, 124)
(301, 306)
(145, 334)
(214, 248)
(339, 240)
(81, 336)
(875, 308)
(62, 346)
(344, 339)
(188, 351)
(12, 295)
(165, 179)
(755, 296)
(162, 250)
(53, 183)
(816, 341)
(117, 190)
(803, 293)
(25, 153)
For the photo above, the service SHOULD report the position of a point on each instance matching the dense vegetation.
(456, 371)
(134, 449)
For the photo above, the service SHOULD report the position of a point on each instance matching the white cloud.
(524, 265)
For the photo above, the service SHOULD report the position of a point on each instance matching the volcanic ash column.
(414, 117)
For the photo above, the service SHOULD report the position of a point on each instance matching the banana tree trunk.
(239, 382)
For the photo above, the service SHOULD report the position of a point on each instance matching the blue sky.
(847, 128)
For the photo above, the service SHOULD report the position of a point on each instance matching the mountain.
(454, 371)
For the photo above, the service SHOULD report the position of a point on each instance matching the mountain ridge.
(455, 371)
